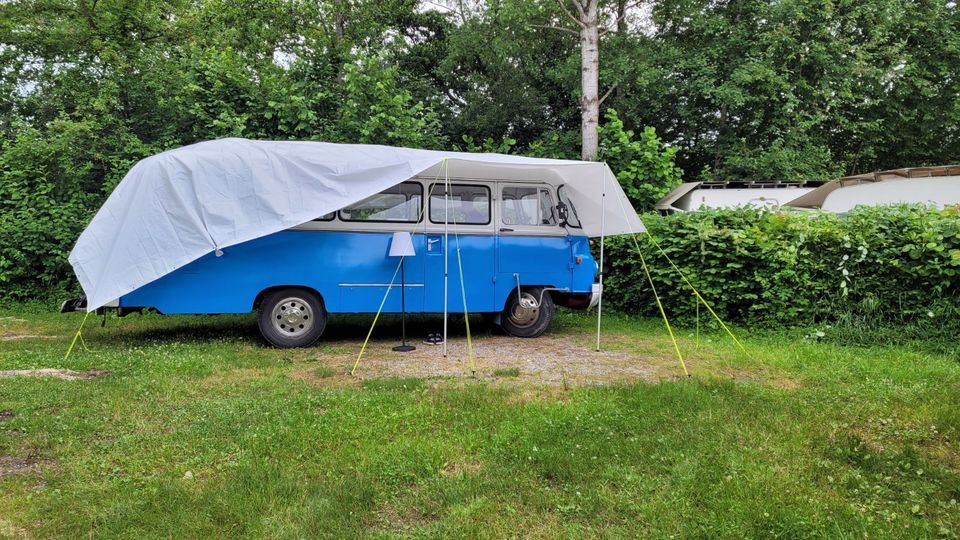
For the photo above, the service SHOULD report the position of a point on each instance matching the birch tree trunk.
(590, 77)
(340, 20)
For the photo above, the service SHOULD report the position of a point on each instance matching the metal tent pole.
(446, 250)
(403, 301)
(603, 199)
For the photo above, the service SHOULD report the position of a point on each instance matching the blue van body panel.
(351, 271)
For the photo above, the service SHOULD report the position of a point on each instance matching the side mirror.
(563, 213)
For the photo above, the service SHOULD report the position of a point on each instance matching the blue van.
(519, 244)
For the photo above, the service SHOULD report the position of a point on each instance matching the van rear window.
(399, 204)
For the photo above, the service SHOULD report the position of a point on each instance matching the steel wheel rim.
(522, 317)
(292, 317)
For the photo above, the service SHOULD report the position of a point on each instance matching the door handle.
(506, 229)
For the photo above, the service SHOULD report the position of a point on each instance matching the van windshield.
(573, 220)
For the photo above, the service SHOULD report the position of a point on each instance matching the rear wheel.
(528, 314)
(291, 317)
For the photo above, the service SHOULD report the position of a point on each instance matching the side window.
(400, 203)
(326, 217)
(530, 206)
(469, 204)
(519, 205)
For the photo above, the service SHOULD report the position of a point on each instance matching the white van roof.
(177, 206)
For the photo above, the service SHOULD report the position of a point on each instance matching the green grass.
(798, 439)
(507, 372)
(324, 372)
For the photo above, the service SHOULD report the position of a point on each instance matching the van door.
(470, 226)
(359, 247)
(533, 247)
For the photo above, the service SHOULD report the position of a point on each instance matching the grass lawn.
(200, 431)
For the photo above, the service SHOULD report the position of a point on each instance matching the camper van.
(300, 230)
(517, 244)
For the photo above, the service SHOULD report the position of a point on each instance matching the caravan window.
(523, 205)
(469, 204)
(400, 203)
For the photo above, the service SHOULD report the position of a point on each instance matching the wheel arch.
(260, 296)
(524, 287)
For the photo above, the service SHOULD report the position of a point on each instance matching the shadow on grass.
(159, 329)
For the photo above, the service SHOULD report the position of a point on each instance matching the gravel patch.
(65, 374)
(550, 360)
(10, 465)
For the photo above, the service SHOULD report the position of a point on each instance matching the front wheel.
(528, 314)
(291, 318)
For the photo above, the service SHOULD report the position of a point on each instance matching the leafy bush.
(645, 167)
(47, 189)
(888, 265)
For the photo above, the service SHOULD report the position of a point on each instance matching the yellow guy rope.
(656, 296)
(78, 336)
(389, 287)
(463, 290)
(375, 317)
(466, 314)
(663, 313)
(697, 293)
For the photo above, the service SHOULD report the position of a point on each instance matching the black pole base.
(404, 348)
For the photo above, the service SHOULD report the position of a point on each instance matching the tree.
(754, 90)
(587, 19)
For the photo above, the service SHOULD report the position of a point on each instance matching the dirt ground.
(551, 360)
(10, 465)
(558, 359)
(65, 374)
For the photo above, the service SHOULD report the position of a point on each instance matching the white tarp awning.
(177, 206)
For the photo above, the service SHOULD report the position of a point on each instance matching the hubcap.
(292, 317)
(522, 316)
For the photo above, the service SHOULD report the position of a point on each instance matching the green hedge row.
(889, 265)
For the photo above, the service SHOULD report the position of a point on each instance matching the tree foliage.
(744, 89)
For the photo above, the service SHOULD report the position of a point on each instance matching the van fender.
(259, 298)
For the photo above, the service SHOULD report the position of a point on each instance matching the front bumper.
(80, 304)
(595, 292)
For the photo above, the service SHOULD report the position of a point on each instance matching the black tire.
(521, 321)
(291, 317)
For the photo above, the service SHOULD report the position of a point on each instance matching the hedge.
(889, 265)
